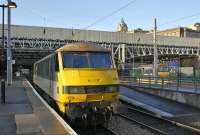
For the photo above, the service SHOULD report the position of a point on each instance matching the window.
(87, 60)
(80, 61)
(56, 63)
(100, 60)
(75, 60)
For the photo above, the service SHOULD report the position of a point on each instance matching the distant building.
(192, 31)
(122, 26)
(138, 31)
(195, 26)
(176, 32)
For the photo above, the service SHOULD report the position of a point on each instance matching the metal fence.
(176, 83)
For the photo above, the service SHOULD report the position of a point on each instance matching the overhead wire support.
(155, 66)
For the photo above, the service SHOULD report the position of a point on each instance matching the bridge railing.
(175, 83)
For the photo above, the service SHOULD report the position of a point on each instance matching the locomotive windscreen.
(87, 60)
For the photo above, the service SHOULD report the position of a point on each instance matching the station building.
(192, 31)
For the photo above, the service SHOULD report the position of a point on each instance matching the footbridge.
(30, 43)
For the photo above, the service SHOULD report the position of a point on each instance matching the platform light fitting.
(9, 5)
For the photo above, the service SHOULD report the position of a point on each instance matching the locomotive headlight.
(112, 88)
(74, 90)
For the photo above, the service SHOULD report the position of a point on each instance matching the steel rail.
(145, 125)
(111, 131)
(167, 120)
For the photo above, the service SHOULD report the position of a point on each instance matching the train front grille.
(98, 97)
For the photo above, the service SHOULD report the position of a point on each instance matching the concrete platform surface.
(7, 124)
(158, 105)
(27, 123)
(17, 101)
(50, 124)
(24, 113)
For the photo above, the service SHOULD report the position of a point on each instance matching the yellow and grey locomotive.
(80, 78)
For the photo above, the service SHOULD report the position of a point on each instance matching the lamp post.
(9, 53)
(9, 5)
(2, 74)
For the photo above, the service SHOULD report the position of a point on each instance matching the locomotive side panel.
(45, 75)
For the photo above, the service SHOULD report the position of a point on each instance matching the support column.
(123, 55)
(119, 56)
(9, 54)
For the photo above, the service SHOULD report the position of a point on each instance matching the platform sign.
(173, 64)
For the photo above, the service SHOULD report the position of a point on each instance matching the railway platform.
(158, 105)
(25, 114)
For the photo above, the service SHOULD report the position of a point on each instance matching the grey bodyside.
(49, 81)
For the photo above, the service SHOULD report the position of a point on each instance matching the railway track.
(98, 131)
(157, 124)
(190, 120)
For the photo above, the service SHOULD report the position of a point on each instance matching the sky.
(79, 14)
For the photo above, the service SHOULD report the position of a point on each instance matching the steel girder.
(24, 47)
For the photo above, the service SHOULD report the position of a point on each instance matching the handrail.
(191, 84)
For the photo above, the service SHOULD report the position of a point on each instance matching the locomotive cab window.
(56, 63)
(87, 60)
